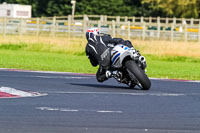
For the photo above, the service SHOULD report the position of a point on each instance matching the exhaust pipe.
(142, 59)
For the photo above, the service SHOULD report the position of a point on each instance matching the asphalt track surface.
(74, 103)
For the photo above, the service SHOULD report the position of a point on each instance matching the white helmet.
(92, 32)
(95, 31)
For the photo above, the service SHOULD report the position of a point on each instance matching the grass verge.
(165, 59)
(160, 67)
(29, 60)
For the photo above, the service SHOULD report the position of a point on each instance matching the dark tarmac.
(74, 103)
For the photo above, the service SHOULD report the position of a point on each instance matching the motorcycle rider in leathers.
(98, 51)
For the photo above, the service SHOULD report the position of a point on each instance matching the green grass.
(173, 67)
(159, 67)
(44, 61)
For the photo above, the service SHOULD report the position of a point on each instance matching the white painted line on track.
(75, 110)
(118, 93)
(107, 111)
(68, 110)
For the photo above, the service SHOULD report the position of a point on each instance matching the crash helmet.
(91, 33)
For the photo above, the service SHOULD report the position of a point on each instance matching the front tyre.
(139, 74)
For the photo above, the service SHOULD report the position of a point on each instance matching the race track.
(77, 103)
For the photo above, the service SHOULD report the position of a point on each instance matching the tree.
(103, 7)
(174, 8)
(146, 8)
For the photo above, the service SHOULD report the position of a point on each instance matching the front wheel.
(139, 74)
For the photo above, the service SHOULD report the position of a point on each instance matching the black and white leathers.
(97, 48)
(98, 51)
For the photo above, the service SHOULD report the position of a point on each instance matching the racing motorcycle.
(129, 67)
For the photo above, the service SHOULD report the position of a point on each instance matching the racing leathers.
(98, 51)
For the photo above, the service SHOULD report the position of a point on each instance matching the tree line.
(146, 8)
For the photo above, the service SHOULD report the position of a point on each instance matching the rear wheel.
(139, 74)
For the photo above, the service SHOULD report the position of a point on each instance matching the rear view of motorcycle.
(129, 67)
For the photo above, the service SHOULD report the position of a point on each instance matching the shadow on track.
(103, 86)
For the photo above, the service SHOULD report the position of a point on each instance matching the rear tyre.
(139, 74)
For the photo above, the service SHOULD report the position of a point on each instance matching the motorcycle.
(129, 67)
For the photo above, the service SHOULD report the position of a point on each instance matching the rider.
(98, 51)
